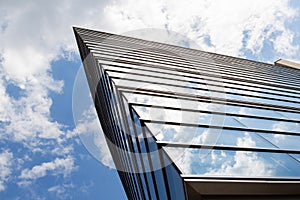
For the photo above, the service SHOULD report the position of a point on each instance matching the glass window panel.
(179, 116)
(296, 156)
(283, 141)
(143, 155)
(151, 185)
(290, 115)
(233, 163)
(269, 124)
(211, 136)
(157, 167)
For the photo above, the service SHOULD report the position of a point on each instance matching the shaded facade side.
(138, 159)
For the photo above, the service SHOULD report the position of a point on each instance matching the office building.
(187, 124)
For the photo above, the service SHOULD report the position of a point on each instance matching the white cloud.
(5, 168)
(58, 166)
(61, 191)
(222, 26)
(244, 163)
(33, 34)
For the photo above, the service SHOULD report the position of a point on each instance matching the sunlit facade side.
(186, 124)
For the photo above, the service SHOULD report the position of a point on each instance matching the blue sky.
(42, 147)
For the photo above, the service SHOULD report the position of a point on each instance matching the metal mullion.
(122, 109)
(135, 149)
(128, 185)
(227, 148)
(140, 152)
(198, 82)
(123, 139)
(118, 154)
(209, 100)
(104, 100)
(163, 169)
(194, 63)
(141, 158)
(160, 151)
(199, 89)
(210, 70)
(116, 110)
(125, 184)
(117, 136)
(216, 112)
(150, 160)
(220, 127)
(230, 77)
(124, 161)
(121, 157)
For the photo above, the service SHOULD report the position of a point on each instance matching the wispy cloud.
(226, 27)
(5, 168)
(34, 34)
(59, 166)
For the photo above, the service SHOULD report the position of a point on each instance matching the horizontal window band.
(152, 70)
(219, 127)
(226, 148)
(226, 73)
(282, 87)
(215, 112)
(180, 79)
(209, 99)
(202, 89)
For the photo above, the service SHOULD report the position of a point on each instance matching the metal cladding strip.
(188, 49)
(127, 52)
(195, 53)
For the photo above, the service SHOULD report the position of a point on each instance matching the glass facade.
(186, 124)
